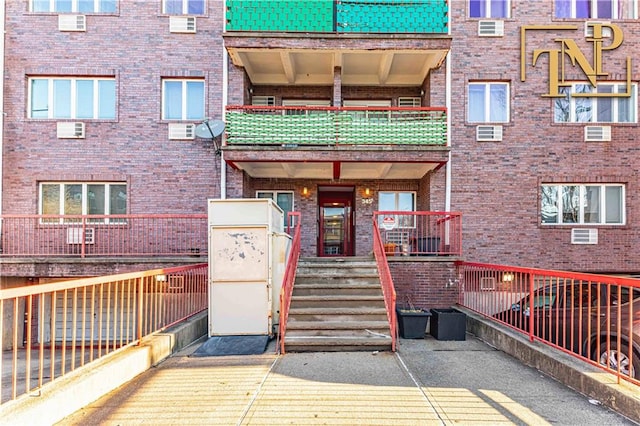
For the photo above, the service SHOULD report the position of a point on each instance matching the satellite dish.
(210, 129)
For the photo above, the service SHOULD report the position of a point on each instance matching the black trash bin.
(448, 324)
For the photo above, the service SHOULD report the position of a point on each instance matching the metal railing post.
(531, 306)
(140, 308)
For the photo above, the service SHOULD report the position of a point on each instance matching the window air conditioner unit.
(72, 23)
(182, 130)
(75, 235)
(488, 133)
(487, 283)
(70, 130)
(584, 236)
(490, 28)
(182, 24)
(597, 133)
(588, 29)
(263, 100)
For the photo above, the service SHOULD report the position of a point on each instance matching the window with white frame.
(72, 98)
(488, 102)
(596, 9)
(284, 200)
(183, 7)
(595, 204)
(182, 99)
(83, 198)
(379, 111)
(578, 109)
(489, 8)
(74, 6)
(402, 201)
(303, 104)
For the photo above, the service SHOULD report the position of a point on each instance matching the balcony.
(336, 142)
(344, 16)
(253, 125)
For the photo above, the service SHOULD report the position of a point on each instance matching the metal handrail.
(289, 278)
(103, 235)
(386, 280)
(593, 317)
(59, 327)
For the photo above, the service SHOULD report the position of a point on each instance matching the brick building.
(336, 110)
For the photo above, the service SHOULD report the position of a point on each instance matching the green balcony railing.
(258, 125)
(353, 16)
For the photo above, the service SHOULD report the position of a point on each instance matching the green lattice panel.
(329, 128)
(280, 15)
(392, 16)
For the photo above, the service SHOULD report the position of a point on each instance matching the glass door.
(336, 223)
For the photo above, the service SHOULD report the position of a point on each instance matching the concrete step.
(355, 289)
(339, 329)
(337, 280)
(334, 344)
(337, 301)
(338, 314)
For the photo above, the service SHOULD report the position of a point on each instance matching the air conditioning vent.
(487, 283)
(597, 133)
(488, 133)
(72, 23)
(584, 236)
(588, 29)
(182, 130)
(182, 24)
(74, 235)
(406, 102)
(491, 28)
(263, 100)
(70, 130)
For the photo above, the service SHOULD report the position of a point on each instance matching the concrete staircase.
(337, 305)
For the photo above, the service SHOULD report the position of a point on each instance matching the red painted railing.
(289, 276)
(593, 317)
(99, 235)
(388, 290)
(420, 233)
(50, 330)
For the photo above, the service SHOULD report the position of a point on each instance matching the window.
(78, 198)
(597, 9)
(183, 7)
(571, 109)
(582, 204)
(489, 8)
(72, 98)
(488, 103)
(183, 99)
(403, 201)
(284, 200)
(379, 111)
(74, 6)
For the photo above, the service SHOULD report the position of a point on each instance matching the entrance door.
(335, 237)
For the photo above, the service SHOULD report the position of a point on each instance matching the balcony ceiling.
(336, 170)
(286, 66)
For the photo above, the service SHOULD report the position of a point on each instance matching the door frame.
(343, 195)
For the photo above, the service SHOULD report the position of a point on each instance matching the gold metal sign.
(602, 40)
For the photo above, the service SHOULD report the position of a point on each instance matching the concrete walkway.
(427, 382)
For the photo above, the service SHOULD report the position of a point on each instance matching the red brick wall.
(496, 184)
(426, 284)
(163, 176)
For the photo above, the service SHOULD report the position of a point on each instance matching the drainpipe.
(225, 89)
(447, 191)
(2, 35)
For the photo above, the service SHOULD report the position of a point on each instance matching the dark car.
(595, 320)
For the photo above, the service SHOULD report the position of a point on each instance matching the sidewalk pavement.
(427, 382)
